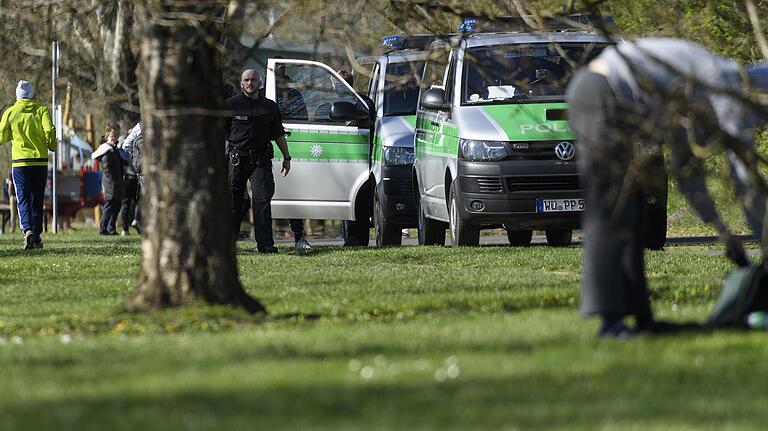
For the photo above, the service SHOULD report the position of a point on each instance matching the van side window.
(305, 92)
(361, 82)
(434, 71)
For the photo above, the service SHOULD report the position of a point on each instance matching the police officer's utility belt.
(252, 156)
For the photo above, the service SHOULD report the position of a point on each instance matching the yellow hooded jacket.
(28, 126)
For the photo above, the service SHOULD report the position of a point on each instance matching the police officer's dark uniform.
(250, 131)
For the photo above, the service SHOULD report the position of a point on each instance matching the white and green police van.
(394, 89)
(352, 151)
(493, 147)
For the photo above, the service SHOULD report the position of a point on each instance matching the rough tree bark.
(187, 251)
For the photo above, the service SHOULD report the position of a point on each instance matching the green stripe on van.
(326, 151)
(528, 121)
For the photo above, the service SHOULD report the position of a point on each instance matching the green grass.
(683, 221)
(410, 338)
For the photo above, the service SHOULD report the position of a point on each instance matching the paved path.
(496, 240)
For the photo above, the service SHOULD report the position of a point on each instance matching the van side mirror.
(434, 99)
(347, 111)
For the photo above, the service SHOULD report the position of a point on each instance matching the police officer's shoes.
(302, 245)
(269, 250)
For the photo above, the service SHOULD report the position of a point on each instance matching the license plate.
(559, 205)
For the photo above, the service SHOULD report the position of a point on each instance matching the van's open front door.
(329, 158)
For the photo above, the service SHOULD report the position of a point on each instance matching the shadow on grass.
(539, 400)
(69, 247)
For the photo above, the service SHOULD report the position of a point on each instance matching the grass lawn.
(408, 338)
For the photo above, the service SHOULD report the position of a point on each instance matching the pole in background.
(57, 124)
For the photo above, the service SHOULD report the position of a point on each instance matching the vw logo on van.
(565, 151)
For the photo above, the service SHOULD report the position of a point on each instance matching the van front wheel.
(462, 233)
(519, 238)
(355, 233)
(559, 237)
(387, 234)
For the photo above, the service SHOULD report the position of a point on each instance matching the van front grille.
(489, 184)
(542, 183)
(481, 185)
(537, 150)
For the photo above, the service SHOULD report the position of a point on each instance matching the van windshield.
(515, 72)
(401, 88)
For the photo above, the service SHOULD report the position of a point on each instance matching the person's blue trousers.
(30, 192)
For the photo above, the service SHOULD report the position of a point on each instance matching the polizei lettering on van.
(544, 128)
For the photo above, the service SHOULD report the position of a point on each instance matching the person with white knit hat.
(27, 125)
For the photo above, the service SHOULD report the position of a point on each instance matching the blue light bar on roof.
(393, 42)
(407, 42)
(467, 25)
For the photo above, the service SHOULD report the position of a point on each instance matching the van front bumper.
(395, 191)
(507, 192)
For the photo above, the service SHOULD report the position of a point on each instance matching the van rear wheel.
(559, 237)
(519, 238)
(462, 233)
(387, 234)
(431, 232)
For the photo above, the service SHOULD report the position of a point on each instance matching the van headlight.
(483, 150)
(398, 156)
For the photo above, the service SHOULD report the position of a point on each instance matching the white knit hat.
(24, 90)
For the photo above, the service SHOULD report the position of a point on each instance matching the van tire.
(519, 238)
(462, 234)
(655, 228)
(387, 234)
(431, 232)
(559, 237)
(355, 233)
(655, 219)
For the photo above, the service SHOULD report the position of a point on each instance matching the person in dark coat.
(627, 103)
(130, 150)
(112, 185)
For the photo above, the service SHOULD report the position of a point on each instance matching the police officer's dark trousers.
(613, 275)
(242, 167)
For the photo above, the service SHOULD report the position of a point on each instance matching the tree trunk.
(187, 250)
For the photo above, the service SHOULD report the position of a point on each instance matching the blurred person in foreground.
(28, 126)
(634, 98)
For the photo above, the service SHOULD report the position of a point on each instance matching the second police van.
(493, 146)
(352, 151)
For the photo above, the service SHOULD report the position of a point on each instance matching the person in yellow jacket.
(28, 126)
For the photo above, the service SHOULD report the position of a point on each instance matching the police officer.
(254, 124)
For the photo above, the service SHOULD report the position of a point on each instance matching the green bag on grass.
(744, 291)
